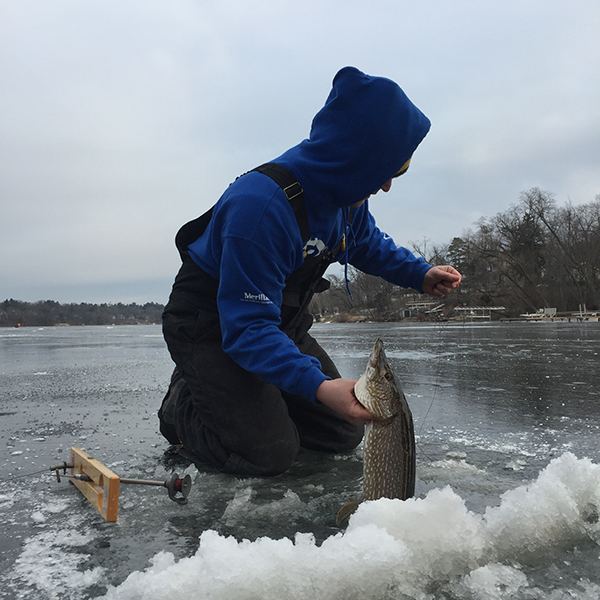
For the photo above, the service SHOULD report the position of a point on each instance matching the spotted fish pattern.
(389, 447)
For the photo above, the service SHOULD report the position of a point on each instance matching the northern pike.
(389, 448)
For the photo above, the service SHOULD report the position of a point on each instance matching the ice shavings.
(443, 537)
(559, 507)
(241, 508)
(395, 549)
(48, 563)
(38, 517)
(225, 569)
(492, 582)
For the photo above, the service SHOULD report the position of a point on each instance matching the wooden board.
(103, 490)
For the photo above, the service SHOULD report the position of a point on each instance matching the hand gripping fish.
(389, 447)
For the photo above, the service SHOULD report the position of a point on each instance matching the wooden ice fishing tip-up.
(101, 486)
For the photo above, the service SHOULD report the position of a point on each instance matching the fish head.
(377, 389)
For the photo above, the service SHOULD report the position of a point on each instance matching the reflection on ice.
(418, 548)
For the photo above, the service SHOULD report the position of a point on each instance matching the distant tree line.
(48, 313)
(535, 255)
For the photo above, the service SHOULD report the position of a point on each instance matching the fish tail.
(344, 514)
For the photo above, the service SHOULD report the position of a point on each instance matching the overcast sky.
(121, 120)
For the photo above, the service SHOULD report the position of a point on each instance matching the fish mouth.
(376, 354)
(362, 390)
(376, 359)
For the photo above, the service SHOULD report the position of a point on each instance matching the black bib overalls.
(221, 414)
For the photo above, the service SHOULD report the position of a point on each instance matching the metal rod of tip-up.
(174, 485)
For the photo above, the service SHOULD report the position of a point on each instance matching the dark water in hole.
(497, 407)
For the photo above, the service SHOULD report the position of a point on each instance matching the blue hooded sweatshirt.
(367, 130)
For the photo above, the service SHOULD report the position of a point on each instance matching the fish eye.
(389, 376)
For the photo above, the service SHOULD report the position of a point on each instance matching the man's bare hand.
(338, 394)
(439, 281)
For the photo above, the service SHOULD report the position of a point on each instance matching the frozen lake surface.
(507, 418)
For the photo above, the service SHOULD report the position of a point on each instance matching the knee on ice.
(264, 460)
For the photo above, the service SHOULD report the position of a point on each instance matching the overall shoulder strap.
(191, 231)
(294, 192)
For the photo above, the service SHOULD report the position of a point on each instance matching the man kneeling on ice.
(251, 386)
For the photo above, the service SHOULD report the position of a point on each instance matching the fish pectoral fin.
(344, 514)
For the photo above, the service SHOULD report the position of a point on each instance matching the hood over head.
(362, 137)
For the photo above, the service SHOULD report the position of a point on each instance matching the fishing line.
(46, 470)
(61, 467)
(438, 331)
(440, 328)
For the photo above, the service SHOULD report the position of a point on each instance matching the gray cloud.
(120, 121)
